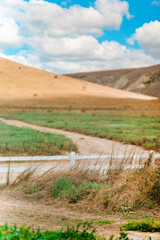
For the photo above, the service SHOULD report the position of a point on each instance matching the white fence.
(109, 162)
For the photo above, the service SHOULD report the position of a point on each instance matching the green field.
(139, 130)
(14, 140)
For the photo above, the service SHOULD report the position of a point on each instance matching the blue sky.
(72, 36)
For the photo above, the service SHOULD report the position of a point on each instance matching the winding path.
(86, 144)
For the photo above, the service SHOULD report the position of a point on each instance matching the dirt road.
(86, 144)
(14, 209)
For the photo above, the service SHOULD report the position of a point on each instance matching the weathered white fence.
(109, 162)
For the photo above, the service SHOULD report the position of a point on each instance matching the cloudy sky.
(65, 36)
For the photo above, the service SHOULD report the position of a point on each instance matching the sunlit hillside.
(25, 86)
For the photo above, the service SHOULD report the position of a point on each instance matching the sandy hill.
(25, 86)
(140, 80)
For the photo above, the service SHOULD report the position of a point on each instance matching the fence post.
(8, 173)
(72, 159)
(153, 158)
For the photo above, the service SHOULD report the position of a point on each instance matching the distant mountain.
(139, 80)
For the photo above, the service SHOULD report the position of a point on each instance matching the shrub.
(71, 233)
(32, 189)
(65, 188)
(143, 226)
(7, 232)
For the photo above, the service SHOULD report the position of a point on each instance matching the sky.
(66, 36)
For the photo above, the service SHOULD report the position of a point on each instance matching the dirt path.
(14, 209)
(86, 144)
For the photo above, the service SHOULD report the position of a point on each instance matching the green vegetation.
(139, 130)
(32, 189)
(93, 221)
(148, 82)
(65, 188)
(143, 226)
(7, 232)
(71, 233)
(14, 140)
(94, 192)
(103, 222)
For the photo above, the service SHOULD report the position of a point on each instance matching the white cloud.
(44, 18)
(156, 3)
(148, 36)
(63, 57)
(63, 39)
(9, 33)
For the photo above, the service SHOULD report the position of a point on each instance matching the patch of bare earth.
(15, 209)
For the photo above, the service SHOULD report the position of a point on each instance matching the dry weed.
(118, 189)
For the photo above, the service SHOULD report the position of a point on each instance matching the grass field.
(141, 129)
(17, 141)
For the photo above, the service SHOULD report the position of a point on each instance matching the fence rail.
(73, 158)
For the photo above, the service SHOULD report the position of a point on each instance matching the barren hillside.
(25, 86)
(139, 80)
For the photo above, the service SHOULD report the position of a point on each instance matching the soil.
(17, 210)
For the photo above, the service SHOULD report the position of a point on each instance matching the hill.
(27, 86)
(140, 80)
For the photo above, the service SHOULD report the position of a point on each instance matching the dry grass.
(27, 86)
(116, 190)
(115, 107)
(79, 102)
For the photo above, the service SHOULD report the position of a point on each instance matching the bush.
(65, 188)
(71, 233)
(143, 226)
(7, 232)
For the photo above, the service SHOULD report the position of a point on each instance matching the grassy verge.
(121, 191)
(140, 130)
(14, 140)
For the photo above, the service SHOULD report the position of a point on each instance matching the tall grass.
(91, 190)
